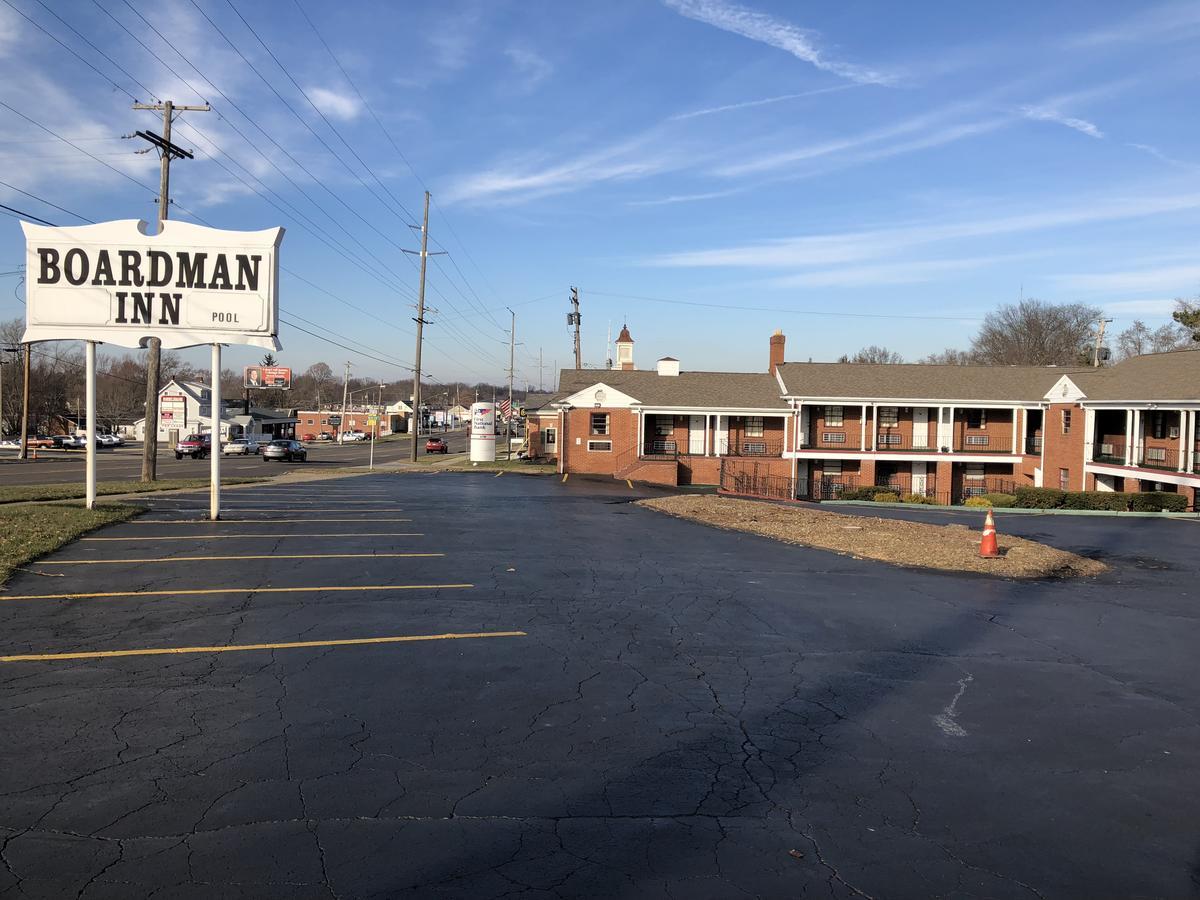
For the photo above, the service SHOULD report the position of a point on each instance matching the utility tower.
(1101, 322)
(573, 318)
(166, 152)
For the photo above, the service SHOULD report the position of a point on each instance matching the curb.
(1020, 512)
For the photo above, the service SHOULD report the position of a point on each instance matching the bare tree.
(874, 355)
(1134, 340)
(1035, 333)
(950, 357)
(319, 375)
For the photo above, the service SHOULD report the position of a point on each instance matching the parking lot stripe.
(289, 645)
(194, 592)
(565, 477)
(212, 537)
(171, 559)
(249, 521)
(629, 482)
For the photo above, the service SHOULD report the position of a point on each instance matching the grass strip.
(24, 493)
(949, 548)
(27, 533)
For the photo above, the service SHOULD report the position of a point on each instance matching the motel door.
(920, 425)
(919, 477)
(696, 435)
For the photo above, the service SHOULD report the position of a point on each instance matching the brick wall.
(536, 426)
(699, 470)
(1064, 451)
(576, 456)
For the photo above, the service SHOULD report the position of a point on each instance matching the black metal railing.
(751, 446)
(894, 441)
(1033, 446)
(753, 483)
(1159, 458)
(1112, 452)
(660, 447)
(833, 440)
(983, 443)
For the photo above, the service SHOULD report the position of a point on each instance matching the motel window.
(664, 426)
(833, 468)
(1158, 426)
(1064, 479)
(973, 472)
(1156, 454)
(754, 426)
(976, 418)
(600, 446)
(1066, 421)
(600, 424)
(889, 416)
(833, 416)
(549, 437)
(833, 437)
(310, 422)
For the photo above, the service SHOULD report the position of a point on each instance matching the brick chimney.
(777, 341)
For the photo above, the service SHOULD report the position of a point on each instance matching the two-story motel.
(813, 430)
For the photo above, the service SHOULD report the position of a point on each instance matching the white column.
(720, 432)
(1014, 432)
(214, 497)
(862, 428)
(1183, 438)
(90, 393)
(801, 431)
(1129, 437)
(1089, 435)
(1135, 427)
(641, 433)
(1024, 433)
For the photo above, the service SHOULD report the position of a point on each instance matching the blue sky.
(870, 173)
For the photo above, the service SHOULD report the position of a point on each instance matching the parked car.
(197, 446)
(41, 440)
(436, 445)
(285, 451)
(325, 436)
(308, 437)
(347, 437)
(108, 440)
(10, 442)
(241, 447)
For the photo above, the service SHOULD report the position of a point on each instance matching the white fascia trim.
(1184, 478)
(712, 410)
(1008, 458)
(906, 401)
(1165, 405)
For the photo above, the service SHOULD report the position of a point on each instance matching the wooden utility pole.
(1099, 341)
(166, 152)
(573, 318)
(345, 396)
(420, 320)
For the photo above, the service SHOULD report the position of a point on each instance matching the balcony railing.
(660, 448)
(833, 440)
(1159, 458)
(1033, 446)
(983, 443)
(1112, 452)
(751, 446)
(895, 441)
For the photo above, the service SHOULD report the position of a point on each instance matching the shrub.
(886, 497)
(1157, 501)
(1038, 498)
(1005, 501)
(862, 493)
(919, 498)
(977, 502)
(1096, 500)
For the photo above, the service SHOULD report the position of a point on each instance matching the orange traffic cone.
(988, 548)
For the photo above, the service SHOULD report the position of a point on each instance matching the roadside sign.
(335, 420)
(278, 377)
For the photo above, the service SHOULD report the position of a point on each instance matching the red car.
(436, 445)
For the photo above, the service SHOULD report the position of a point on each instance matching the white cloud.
(915, 272)
(845, 247)
(335, 105)
(1159, 24)
(10, 31)
(682, 198)
(768, 30)
(747, 104)
(1180, 279)
(1050, 114)
(530, 65)
(1159, 307)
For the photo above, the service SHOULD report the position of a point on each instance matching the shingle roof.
(921, 381)
(709, 390)
(535, 400)
(1150, 378)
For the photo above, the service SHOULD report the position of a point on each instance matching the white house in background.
(185, 407)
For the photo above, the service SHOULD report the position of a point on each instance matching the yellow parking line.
(195, 592)
(290, 645)
(498, 474)
(565, 477)
(216, 537)
(170, 559)
(629, 482)
(248, 521)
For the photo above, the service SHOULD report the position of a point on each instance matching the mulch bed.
(950, 548)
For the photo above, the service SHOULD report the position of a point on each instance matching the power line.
(17, 214)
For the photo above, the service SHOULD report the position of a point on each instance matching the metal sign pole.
(214, 502)
(90, 392)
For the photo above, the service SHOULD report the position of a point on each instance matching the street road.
(125, 463)
(467, 685)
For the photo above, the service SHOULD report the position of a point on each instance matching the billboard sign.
(186, 285)
(278, 377)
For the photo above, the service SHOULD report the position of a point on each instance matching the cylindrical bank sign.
(483, 432)
(186, 285)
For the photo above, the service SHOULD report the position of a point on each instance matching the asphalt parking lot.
(460, 685)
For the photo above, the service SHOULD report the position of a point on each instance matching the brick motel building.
(815, 430)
